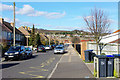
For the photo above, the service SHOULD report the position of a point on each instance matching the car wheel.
(31, 55)
(6, 59)
(45, 51)
(25, 56)
(20, 57)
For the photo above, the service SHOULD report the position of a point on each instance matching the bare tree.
(98, 24)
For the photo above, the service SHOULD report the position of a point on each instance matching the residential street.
(40, 66)
(48, 65)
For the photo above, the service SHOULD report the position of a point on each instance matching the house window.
(9, 36)
(4, 35)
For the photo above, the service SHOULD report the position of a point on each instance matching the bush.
(102, 54)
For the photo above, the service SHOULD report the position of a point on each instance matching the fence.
(111, 48)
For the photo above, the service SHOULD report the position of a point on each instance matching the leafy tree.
(32, 37)
(38, 42)
(47, 42)
(43, 42)
(57, 42)
(52, 42)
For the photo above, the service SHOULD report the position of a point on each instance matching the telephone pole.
(49, 39)
(14, 26)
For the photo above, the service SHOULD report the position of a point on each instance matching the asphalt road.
(40, 66)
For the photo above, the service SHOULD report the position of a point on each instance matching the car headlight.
(6, 53)
(16, 52)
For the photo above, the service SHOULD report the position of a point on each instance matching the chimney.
(12, 24)
(28, 28)
(1, 20)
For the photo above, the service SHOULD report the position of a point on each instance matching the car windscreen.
(14, 49)
(47, 46)
(59, 48)
(27, 49)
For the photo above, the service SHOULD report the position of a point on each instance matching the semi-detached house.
(7, 34)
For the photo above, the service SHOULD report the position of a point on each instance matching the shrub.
(102, 54)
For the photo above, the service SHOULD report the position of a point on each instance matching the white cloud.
(6, 7)
(78, 17)
(30, 11)
(8, 20)
(55, 15)
(37, 13)
(27, 9)
(19, 22)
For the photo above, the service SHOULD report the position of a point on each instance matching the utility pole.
(49, 39)
(14, 26)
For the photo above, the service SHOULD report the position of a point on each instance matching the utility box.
(103, 66)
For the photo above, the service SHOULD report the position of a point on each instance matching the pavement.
(90, 67)
(71, 66)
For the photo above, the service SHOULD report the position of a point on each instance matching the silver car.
(59, 49)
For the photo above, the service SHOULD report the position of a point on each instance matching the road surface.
(39, 66)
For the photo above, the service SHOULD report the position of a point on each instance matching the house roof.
(5, 28)
(117, 31)
(24, 31)
(11, 28)
(112, 38)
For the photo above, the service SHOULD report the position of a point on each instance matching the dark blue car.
(15, 52)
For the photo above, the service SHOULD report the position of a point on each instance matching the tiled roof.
(4, 28)
(24, 31)
(11, 28)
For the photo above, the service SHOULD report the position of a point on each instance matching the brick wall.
(83, 48)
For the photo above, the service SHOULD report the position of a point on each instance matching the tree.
(56, 42)
(38, 42)
(98, 24)
(101, 46)
(75, 39)
(52, 42)
(32, 37)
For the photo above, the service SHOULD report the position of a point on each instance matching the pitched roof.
(117, 31)
(24, 31)
(11, 28)
(4, 28)
(112, 38)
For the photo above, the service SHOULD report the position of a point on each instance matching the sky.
(57, 15)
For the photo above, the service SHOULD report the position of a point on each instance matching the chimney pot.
(12, 24)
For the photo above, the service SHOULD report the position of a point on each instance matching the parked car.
(28, 52)
(59, 49)
(60, 45)
(53, 46)
(48, 47)
(41, 48)
(15, 52)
